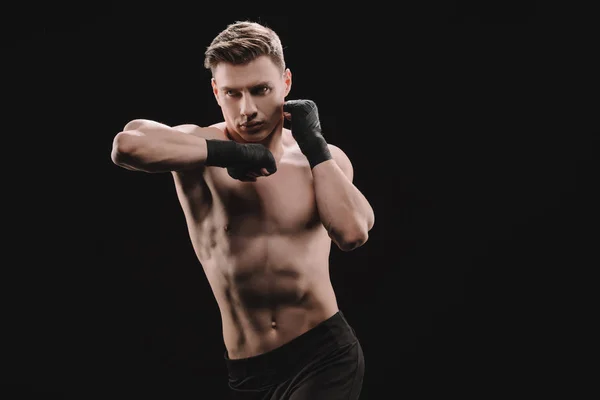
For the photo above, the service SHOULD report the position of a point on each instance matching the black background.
(482, 184)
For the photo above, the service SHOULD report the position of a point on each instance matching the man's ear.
(213, 83)
(287, 78)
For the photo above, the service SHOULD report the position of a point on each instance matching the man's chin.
(255, 137)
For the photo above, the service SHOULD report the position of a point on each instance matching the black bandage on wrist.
(315, 150)
(221, 153)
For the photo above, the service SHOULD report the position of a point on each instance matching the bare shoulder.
(208, 132)
(342, 160)
(220, 126)
(215, 131)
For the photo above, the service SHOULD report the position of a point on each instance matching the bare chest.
(283, 203)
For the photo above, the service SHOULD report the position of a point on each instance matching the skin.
(264, 245)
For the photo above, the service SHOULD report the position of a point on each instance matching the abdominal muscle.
(270, 289)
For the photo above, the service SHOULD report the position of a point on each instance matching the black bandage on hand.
(306, 129)
(240, 159)
(221, 153)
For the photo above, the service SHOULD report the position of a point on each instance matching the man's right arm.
(152, 147)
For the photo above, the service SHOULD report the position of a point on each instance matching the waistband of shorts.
(334, 331)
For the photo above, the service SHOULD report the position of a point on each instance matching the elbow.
(353, 240)
(122, 148)
(356, 236)
(351, 236)
(371, 222)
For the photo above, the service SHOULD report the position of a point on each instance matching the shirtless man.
(263, 204)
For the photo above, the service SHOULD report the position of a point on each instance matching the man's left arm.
(343, 209)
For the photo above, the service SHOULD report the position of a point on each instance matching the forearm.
(343, 209)
(158, 148)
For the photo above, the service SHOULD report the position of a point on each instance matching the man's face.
(251, 97)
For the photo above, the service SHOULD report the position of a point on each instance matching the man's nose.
(248, 107)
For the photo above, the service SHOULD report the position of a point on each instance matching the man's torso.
(264, 251)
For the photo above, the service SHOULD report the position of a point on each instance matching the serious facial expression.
(251, 97)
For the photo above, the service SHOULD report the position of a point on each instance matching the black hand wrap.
(306, 129)
(221, 153)
(239, 158)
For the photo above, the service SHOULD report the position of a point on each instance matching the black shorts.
(324, 363)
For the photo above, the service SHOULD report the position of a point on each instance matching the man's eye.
(262, 90)
(231, 93)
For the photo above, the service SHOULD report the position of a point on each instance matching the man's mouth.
(251, 125)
